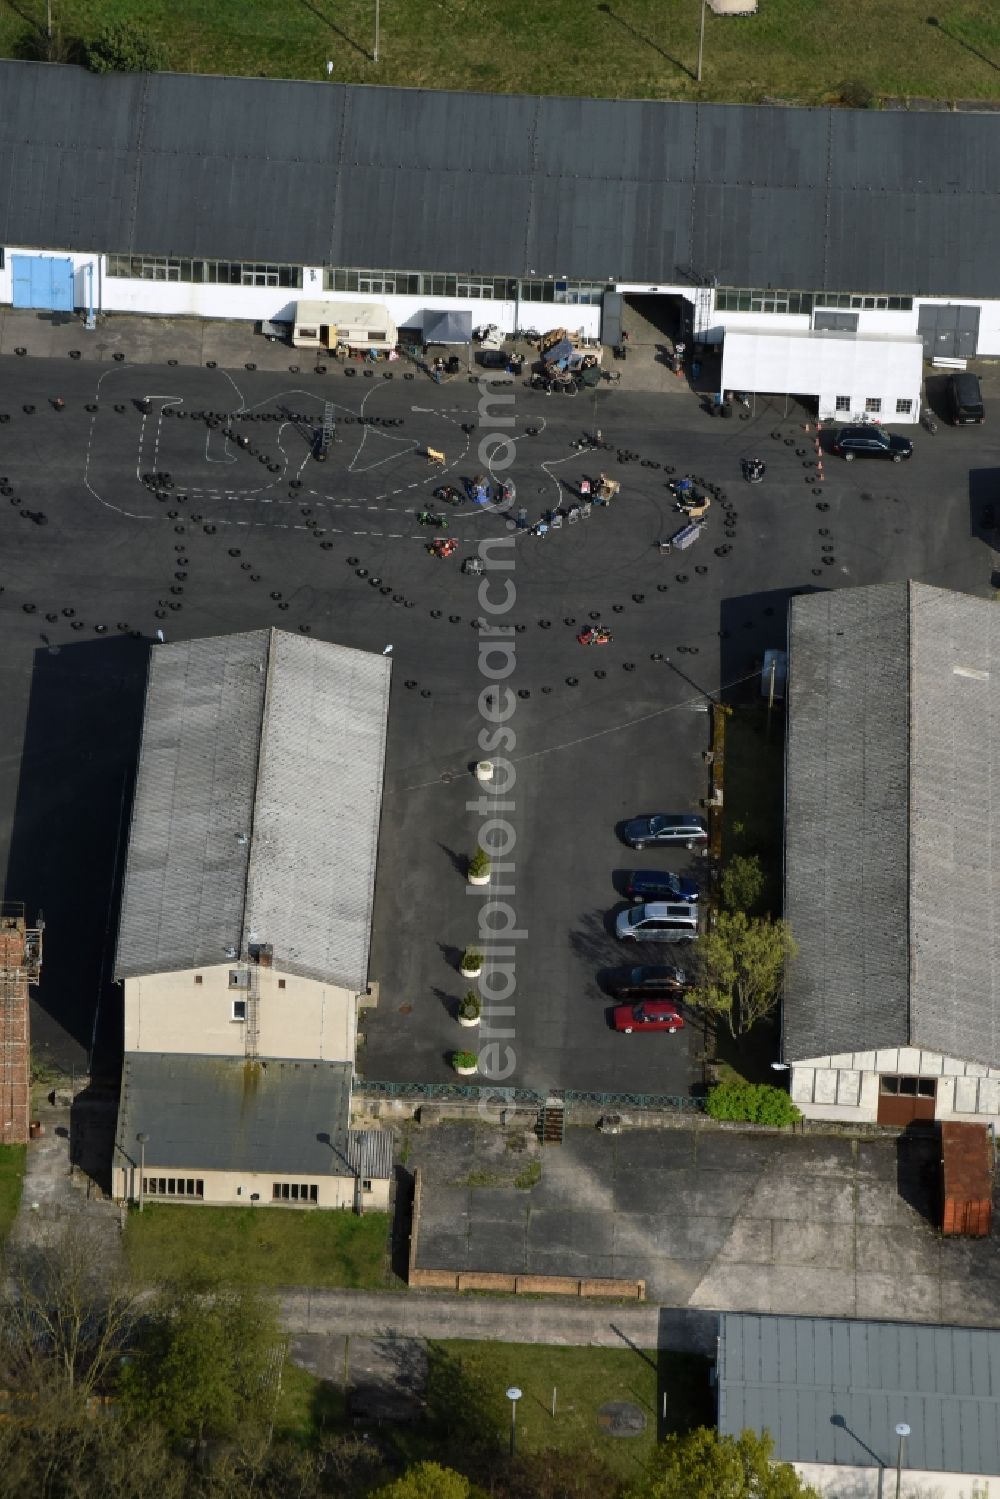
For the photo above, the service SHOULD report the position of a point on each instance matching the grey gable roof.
(256, 808)
(892, 851)
(832, 1391)
(318, 173)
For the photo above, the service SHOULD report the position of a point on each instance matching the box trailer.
(966, 1179)
(352, 325)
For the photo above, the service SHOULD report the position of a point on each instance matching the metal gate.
(950, 332)
(611, 318)
(43, 281)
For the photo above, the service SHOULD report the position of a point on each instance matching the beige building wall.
(236, 1188)
(837, 1481)
(846, 1087)
(192, 1012)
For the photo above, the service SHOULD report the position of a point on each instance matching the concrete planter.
(463, 1021)
(484, 770)
(466, 1071)
(479, 879)
(471, 973)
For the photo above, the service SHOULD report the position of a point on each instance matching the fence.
(470, 1093)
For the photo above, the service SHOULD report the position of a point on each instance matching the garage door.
(43, 281)
(949, 332)
(611, 318)
(902, 1099)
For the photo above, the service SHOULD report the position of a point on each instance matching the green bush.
(751, 1103)
(471, 958)
(479, 864)
(469, 1006)
(122, 47)
(464, 1059)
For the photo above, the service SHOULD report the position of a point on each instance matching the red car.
(651, 1015)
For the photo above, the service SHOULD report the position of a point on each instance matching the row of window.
(173, 1186)
(294, 1192)
(873, 405)
(239, 978)
(745, 299)
(908, 1087)
(431, 284)
(212, 272)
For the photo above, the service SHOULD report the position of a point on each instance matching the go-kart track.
(192, 501)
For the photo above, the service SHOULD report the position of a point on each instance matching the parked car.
(660, 884)
(658, 922)
(871, 442)
(651, 1015)
(965, 399)
(492, 359)
(665, 828)
(649, 981)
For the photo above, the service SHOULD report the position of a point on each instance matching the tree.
(427, 1481)
(122, 47)
(741, 961)
(742, 884)
(702, 1463)
(205, 1363)
(65, 1321)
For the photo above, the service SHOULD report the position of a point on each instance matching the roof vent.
(242, 838)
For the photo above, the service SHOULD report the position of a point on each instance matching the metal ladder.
(251, 1034)
(702, 312)
(328, 432)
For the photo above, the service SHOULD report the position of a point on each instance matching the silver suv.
(658, 922)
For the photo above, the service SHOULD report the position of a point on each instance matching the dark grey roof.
(451, 327)
(892, 859)
(832, 1391)
(225, 1114)
(369, 1152)
(323, 173)
(256, 808)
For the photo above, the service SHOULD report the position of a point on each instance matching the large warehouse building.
(238, 197)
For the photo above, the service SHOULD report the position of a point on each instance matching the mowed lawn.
(792, 49)
(12, 1159)
(259, 1246)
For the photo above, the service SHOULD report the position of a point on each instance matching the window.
(239, 1009)
(366, 1185)
(173, 1186)
(873, 404)
(225, 272)
(197, 978)
(238, 979)
(843, 403)
(281, 983)
(908, 1087)
(903, 406)
(294, 1192)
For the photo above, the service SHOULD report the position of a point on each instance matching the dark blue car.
(660, 884)
(665, 827)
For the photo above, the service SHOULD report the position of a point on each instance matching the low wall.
(509, 1285)
(527, 1285)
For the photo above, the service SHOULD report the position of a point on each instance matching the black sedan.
(871, 442)
(665, 828)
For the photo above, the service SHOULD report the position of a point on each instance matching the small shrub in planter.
(751, 1103)
(472, 963)
(464, 1061)
(479, 867)
(469, 1007)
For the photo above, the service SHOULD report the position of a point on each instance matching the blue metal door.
(43, 281)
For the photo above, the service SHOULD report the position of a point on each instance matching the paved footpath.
(422, 1314)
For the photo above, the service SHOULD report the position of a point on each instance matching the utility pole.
(701, 39)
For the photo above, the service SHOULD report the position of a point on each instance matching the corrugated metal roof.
(369, 1152)
(892, 854)
(846, 798)
(257, 806)
(832, 1391)
(225, 1114)
(320, 173)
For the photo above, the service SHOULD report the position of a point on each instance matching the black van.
(965, 399)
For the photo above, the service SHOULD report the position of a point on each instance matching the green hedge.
(751, 1103)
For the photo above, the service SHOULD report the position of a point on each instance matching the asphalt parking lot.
(809, 1225)
(601, 733)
